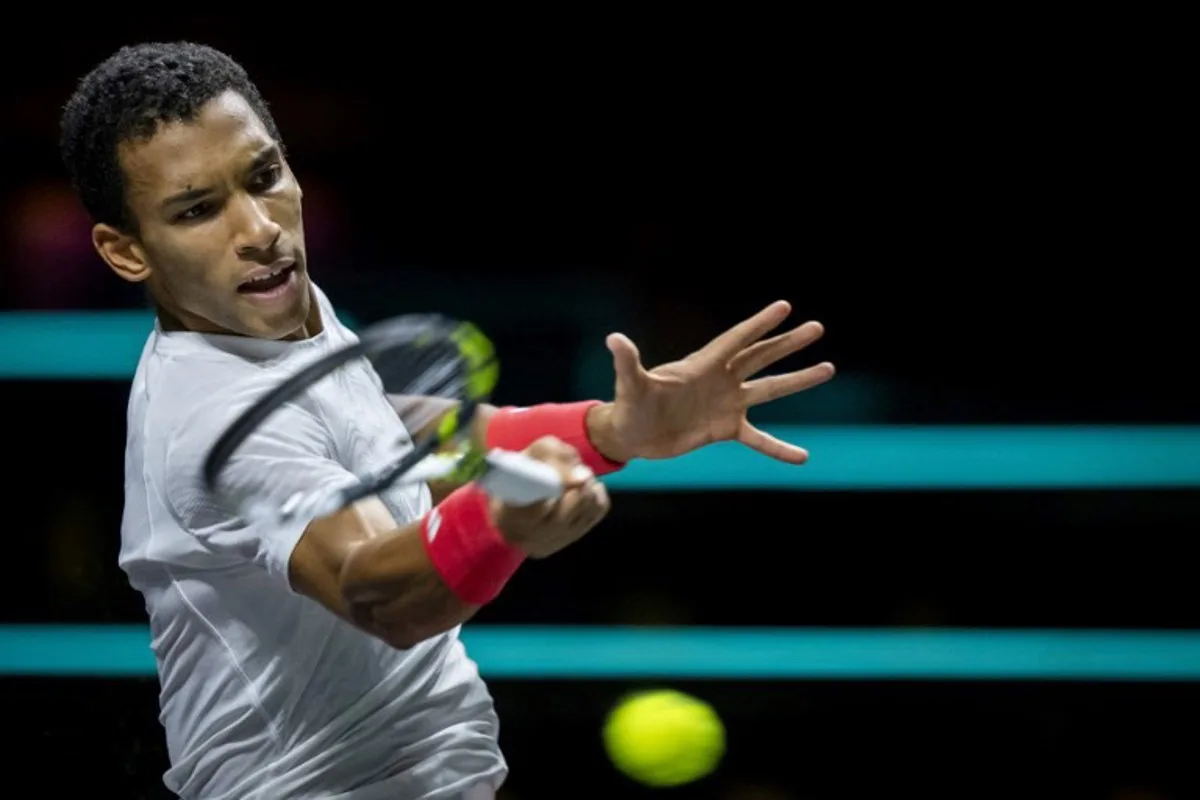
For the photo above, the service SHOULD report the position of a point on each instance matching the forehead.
(223, 137)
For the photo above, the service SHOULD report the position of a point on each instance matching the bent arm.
(376, 574)
(359, 562)
(379, 575)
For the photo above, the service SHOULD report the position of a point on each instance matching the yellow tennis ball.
(664, 737)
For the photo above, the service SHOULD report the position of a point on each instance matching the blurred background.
(980, 226)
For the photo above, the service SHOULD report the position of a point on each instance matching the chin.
(281, 323)
(291, 325)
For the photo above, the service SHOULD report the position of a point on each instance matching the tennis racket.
(420, 356)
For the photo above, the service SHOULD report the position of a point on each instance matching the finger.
(761, 355)
(773, 387)
(554, 451)
(740, 336)
(569, 506)
(577, 476)
(593, 515)
(627, 362)
(771, 447)
(591, 505)
(572, 472)
(564, 459)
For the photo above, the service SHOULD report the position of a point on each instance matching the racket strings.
(424, 416)
(443, 380)
(435, 371)
(431, 361)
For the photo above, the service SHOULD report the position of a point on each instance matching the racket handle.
(518, 479)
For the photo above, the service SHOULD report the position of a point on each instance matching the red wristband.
(517, 428)
(466, 549)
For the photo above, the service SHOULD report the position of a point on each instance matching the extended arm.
(586, 426)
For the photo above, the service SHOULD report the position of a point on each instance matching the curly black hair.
(126, 98)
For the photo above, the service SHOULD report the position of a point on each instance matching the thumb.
(626, 361)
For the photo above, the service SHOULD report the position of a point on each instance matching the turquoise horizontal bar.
(939, 457)
(612, 653)
(105, 345)
(94, 345)
(75, 345)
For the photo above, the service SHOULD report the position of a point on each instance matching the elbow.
(402, 619)
(406, 637)
(398, 602)
(419, 623)
(403, 638)
(398, 634)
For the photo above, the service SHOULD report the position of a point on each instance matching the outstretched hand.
(678, 407)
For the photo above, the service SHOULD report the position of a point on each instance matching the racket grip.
(518, 479)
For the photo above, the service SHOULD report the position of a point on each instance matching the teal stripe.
(76, 345)
(939, 457)
(93, 345)
(608, 653)
(106, 345)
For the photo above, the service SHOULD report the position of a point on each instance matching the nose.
(257, 232)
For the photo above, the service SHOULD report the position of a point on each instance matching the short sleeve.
(292, 451)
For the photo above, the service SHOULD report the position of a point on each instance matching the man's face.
(220, 228)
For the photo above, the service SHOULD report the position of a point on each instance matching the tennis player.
(321, 658)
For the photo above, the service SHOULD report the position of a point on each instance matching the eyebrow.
(264, 156)
(185, 197)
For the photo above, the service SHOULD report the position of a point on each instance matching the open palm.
(678, 407)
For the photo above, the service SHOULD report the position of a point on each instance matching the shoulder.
(200, 397)
(190, 403)
(291, 447)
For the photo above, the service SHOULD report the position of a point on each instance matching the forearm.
(597, 424)
(392, 589)
(405, 583)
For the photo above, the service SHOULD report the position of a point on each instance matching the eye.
(192, 213)
(266, 178)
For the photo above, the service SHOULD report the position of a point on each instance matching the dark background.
(982, 220)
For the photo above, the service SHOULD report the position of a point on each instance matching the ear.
(122, 252)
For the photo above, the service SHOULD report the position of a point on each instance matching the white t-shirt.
(265, 694)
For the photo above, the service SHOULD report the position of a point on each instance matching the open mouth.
(268, 283)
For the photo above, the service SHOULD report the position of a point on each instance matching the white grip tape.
(520, 480)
